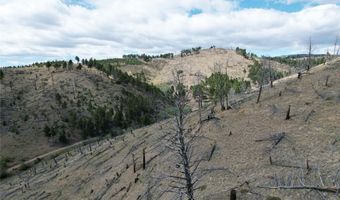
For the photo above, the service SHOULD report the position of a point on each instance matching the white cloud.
(308, 1)
(50, 29)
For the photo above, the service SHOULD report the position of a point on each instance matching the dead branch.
(322, 189)
(309, 115)
(212, 152)
(276, 138)
(288, 113)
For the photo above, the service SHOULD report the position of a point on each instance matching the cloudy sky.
(40, 30)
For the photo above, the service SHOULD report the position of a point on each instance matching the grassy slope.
(104, 169)
(25, 111)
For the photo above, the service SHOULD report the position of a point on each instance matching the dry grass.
(103, 173)
(26, 110)
(160, 70)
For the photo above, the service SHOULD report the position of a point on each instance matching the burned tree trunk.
(134, 163)
(233, 194)
(327, 78)
(309, 54)
(270, 75)
(35, 82)
(144, 159)
(288, 113)
(259, 96)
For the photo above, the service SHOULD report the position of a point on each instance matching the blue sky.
(40, 30)
(294, 7)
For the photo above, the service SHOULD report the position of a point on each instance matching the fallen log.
(322, 189)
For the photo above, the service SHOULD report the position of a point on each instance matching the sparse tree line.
(121, 61)
(216, 89)
(138, 80)
(244, 53)
(263, 73)
(148, 58)
(187, 52)
(299, 61)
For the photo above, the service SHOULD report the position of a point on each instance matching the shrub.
(58, 98)
(62, 137)
(14, 130)
(26, 117)
(47, 131)
(24, 166)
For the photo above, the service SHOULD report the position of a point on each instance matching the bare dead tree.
(260, 90)
(309, 54)
(266, 63)
(270, 74)
(133, 163)
(178, 142)
(327, 79)
(187, 152)
(35, 82)
(182, 141)
(143, 158)
(335, 50)
(288, 113)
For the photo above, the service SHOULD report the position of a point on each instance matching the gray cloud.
(51, 29)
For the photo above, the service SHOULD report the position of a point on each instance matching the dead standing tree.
(182, 141)
(260, 89)
(309, 54)
(178, 142)
(336, 49)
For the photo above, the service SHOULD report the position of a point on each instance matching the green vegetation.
(4, 165)
(131, 111)
(218, 86)
(261, 75)
(187, 52)
(3, 168)
(147, 58)
(272, 198)
(298, 61)
(120, 61)
(123, 78)
(243, 52)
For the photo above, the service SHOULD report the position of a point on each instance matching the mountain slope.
(43, 109)
(241, 160)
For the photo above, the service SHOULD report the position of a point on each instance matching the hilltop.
(159, 71)
(250, 147)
